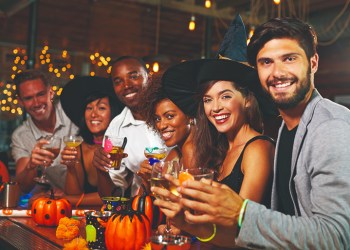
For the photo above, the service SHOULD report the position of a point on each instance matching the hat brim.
(75, 93)
(181, 82)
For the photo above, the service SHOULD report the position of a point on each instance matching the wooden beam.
(189, 6)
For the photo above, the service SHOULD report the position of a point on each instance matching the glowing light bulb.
(155, 67)
(277, 2)
(192, 23)
(207, 4)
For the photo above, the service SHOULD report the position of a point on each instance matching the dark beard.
(298, 97)
(295, 100)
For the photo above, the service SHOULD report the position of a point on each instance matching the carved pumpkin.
(7, 211)
(49, 211)
(127, 230)
(144, 204)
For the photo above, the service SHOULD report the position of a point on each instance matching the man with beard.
(129, 76)
(45, 119)
(311, 186)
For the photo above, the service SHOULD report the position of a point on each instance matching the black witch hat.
(77, 91)
(181, 82)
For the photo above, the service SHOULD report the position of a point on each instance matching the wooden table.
(24, 233)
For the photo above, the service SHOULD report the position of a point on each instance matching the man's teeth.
(130, 95)
(282, 85)
(220, 117)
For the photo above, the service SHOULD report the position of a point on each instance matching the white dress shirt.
(139, 136)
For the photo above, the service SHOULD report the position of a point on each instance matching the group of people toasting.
(208, 113)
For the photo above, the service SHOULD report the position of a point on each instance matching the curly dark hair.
(150, 98)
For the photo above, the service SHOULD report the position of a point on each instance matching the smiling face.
(285, 72)
(172, 123)
(98, 116)
(224, 106)
(129, 78)
(36, 98)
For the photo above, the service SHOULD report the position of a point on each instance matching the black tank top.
(235, 179)
(88, 188)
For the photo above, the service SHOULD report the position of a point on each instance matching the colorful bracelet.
(210, 237)
(241, 213)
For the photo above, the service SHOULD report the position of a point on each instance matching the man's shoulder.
(328, 110)
(22, 130)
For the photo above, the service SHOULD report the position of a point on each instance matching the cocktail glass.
(195, 174)
(114, 146)
(72, 141)
(155, 154)
(159, 170)
(54, 147)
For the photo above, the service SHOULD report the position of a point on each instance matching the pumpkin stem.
(52, 195)
(144, 189)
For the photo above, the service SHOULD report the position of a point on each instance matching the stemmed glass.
(72, 141)
(155, 154)
(158, 180)
(54, 147)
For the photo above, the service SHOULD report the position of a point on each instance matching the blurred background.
(66, 38)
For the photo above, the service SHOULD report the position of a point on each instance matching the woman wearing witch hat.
(91, 104)
(229, 136)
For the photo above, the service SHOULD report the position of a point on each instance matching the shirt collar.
(129, 118)
(40, 133)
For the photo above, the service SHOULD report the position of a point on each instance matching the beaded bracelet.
(210, 237)
(241, 213)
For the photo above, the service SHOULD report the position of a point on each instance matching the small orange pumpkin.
(49, 211)
(127, 230)
(144, 203)
(7, 211)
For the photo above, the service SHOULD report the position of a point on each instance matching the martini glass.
(54, 147)
(72, 141)
(155, 154)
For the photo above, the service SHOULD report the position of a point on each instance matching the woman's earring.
(191, 121)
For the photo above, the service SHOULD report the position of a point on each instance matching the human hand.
(174, 230)
(101, 159)
(40, 156)
(212, 202)
(145, 171)
(69, 156)
(170, 205)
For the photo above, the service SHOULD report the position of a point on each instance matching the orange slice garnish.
(185, 176)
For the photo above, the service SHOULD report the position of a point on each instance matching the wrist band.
(241, 213)
(80, 200)
(210, 237)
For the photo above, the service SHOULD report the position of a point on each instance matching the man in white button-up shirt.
(129, 76)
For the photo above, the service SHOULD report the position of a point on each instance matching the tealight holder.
(96, 222)
(115, 204)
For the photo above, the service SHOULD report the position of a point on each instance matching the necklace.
(97, 142)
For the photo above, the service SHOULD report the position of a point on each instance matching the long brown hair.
(212, 146)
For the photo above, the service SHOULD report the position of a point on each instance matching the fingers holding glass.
(114, 146)
(49, 149)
